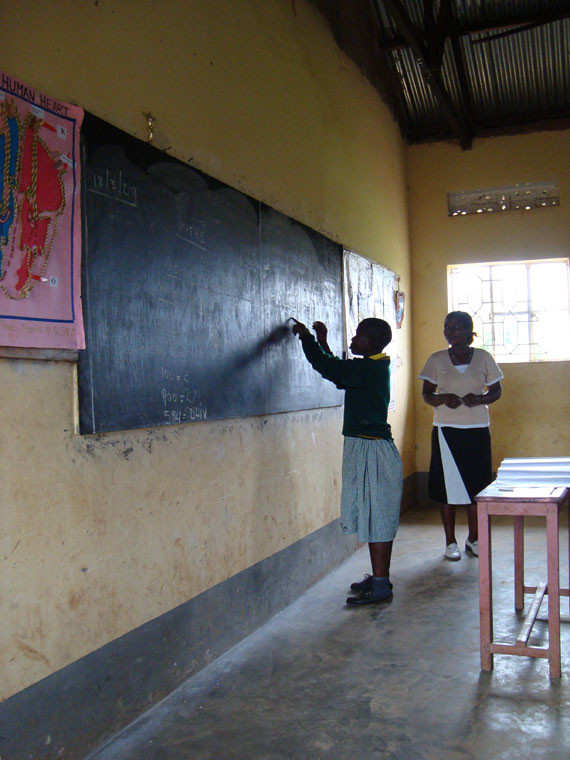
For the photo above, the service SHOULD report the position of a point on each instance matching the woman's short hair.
(463, 317)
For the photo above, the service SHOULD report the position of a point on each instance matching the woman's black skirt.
(460, 464)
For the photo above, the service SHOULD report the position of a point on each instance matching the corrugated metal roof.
(485, 67)
(522, 74)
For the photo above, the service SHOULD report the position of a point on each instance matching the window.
(520, 309)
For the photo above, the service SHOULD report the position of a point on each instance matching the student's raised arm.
(299, 328)
(321, 332)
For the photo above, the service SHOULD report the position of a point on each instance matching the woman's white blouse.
(481, 372)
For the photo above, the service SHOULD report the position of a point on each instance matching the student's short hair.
(377, 330)
(463, 317)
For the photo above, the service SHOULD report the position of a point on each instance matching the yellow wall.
(531, 419)
(103, 533)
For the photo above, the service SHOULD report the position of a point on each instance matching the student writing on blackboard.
(371, 464)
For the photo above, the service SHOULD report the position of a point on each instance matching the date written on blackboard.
(112, 184)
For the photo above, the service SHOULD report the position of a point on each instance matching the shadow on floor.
(400, 681)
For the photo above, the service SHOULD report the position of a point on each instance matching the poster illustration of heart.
(40, 219)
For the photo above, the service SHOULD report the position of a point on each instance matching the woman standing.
(454, 384)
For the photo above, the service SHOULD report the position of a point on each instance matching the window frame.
(493, 326)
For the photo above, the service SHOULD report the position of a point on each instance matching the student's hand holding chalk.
(320, 331)
(299, 328)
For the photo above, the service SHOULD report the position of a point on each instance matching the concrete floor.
(400, 681)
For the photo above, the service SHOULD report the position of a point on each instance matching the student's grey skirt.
(371, 489)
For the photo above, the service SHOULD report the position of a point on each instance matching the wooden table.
(518, 503)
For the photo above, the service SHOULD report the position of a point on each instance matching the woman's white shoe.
(452, 552)
(472, 547)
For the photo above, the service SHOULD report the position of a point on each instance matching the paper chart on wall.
(40, 219)
(368, 291)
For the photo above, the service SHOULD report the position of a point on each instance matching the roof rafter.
(430, 63)
(511, 25)
(463, 81)
(448, 85)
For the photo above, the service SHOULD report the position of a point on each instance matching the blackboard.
(187, 288)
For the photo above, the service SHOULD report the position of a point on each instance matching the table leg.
(552, 552)
(519, 562)
(485, 587)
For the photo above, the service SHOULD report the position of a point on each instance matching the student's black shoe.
(364, 585)
(369, 597)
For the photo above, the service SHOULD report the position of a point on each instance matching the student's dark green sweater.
(367, 386)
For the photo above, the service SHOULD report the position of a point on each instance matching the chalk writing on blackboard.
(193, 231)
(185, 414)
(112, 185)
(182, 401)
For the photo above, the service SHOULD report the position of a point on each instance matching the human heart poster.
(40, 219)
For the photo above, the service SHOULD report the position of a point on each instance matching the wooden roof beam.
(432, 74)
(436, 31)
(463, 82)
(514, 23)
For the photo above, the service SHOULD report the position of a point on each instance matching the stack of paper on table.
(534, 471)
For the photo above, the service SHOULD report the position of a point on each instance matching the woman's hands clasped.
(472, 399)
(453, 401)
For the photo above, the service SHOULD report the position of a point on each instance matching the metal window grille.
(520, 309)
(522, 197)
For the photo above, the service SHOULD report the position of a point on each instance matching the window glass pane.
(477, 288)
(486, 338)
(510, 289)
(511, 339)
(548, 286)
(520, 309)
(550, 332)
